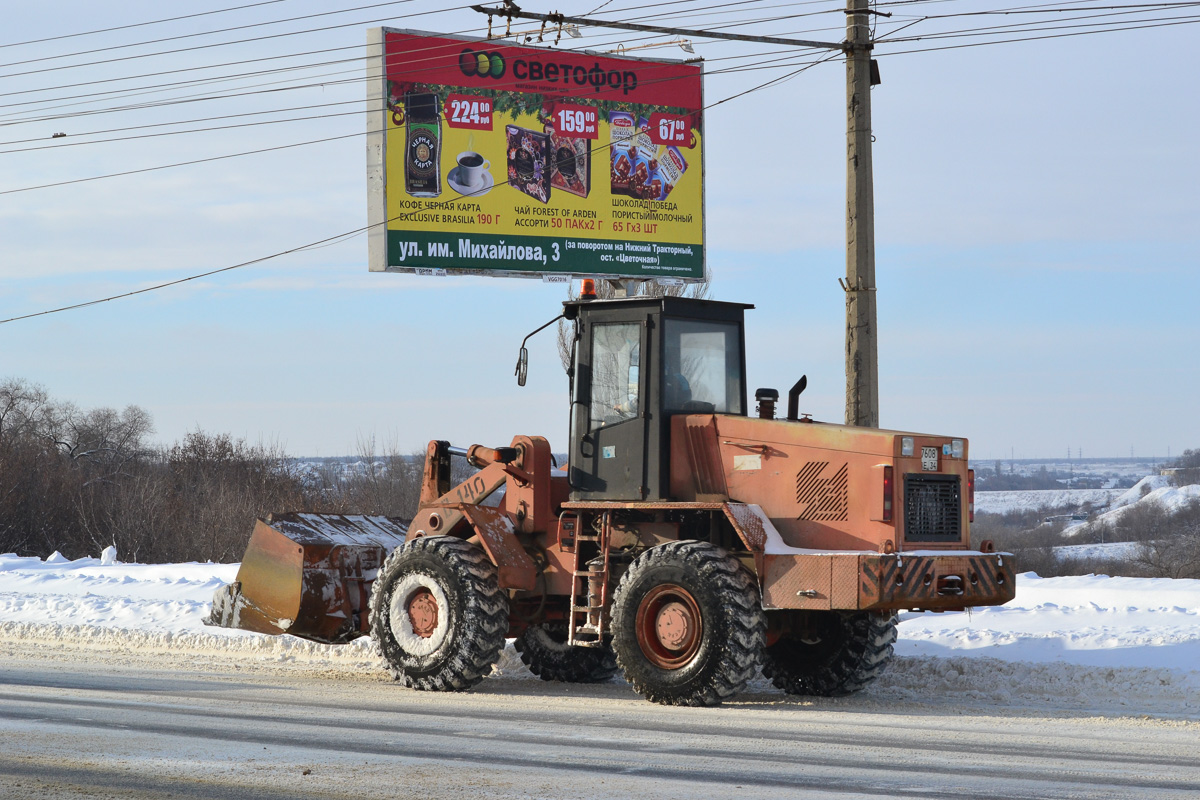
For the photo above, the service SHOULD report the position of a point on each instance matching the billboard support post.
(376, 149)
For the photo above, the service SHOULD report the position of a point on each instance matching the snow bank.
(1032, 500)
(1106, 551)
(1140, 489)
(1159, 491)
(1060, 639)
(1091, 620)
(1170, 497)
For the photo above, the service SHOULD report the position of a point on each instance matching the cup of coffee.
(471, 167)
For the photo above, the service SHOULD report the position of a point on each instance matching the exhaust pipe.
(794, 398)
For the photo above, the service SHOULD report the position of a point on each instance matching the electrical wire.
(255, 40)
(766, 64)
(194, 35)
(209, 129)
(139, 24)
(189, 121)
(1052, 22)
(1129, 27)
(107, 81)
(1029, 27)
(159, 73)
(181, 164)
(180, 84)
(344, 234)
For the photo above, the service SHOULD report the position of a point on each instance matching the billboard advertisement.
(485, 157)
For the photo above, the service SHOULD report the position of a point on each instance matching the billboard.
(485, 157)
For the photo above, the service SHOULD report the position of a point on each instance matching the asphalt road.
(144, 730)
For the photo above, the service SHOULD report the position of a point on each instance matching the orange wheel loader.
(687, 544)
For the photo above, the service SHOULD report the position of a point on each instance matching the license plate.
(929, 457)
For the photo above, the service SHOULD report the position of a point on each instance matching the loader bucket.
(308, 575)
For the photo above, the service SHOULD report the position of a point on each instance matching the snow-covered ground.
(1100, 551)
(1158, 490)
(1032, 500)
(1063, 640)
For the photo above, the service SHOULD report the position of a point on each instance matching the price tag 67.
(670, 129)
(577, 121)
(466, 111)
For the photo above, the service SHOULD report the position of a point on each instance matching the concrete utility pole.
(862, 335)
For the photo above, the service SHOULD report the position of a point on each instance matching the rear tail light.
(970, 495)
(887, 494)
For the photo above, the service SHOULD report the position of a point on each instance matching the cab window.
(702, 369)
(616, 365)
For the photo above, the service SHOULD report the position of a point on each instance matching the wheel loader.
(686, 542)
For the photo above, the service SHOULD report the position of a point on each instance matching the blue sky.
(1036, 225)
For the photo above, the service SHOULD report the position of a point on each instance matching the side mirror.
(523, 358)
(522, 366)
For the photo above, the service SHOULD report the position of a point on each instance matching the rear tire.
(688, 626)
(545, 651)
(844, 652)
(438, 614)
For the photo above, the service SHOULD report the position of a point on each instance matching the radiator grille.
(932, 508)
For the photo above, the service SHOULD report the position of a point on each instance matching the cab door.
(610, 407)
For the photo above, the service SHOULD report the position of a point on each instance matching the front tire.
(841, 653)
(545, 651)
(438, 614)
(688, 625)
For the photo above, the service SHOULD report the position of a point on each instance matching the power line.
(139, 24)
(344, 234)
(1130, 27)
(75, 112)
(292, 33)
(190, 36)
(181, 164)
(1027, 27)
(178, 133)
(768, 64)
(225, 44)
(328, 50)
(190, 121)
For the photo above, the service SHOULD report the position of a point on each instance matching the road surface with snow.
(203, 729)
(110, 685)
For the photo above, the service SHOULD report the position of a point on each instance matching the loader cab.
(636, 362)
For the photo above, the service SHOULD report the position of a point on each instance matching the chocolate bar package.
(529, 162)
(644, 180)
(570, 163)
(622, 127)
(671, 166)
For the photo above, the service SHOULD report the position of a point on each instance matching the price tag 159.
(577, 121)
(466, 111)
(670, 129)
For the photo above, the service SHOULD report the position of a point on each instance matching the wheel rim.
(419, 614)
(669, 626)
(422, 610)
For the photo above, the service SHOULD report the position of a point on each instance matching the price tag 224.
(578, 121)
(467, 111)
